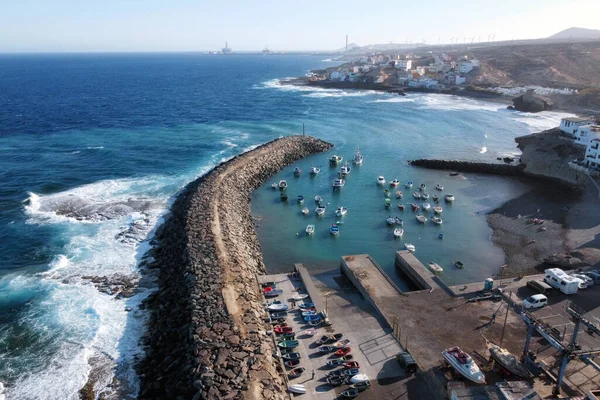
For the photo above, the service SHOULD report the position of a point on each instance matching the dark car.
(407, 362)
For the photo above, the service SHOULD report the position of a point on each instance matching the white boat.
(422, 187)
(338, 184)
(274, 186)
(449, 197)
(334, 230)
(398, 232)
(399, 221)
(345, 170)
(394, 182)
(380, 180)
(358, 158)
(416, 195)
(399, 194)
(439, 187)
(278, 307)
(318, 199)
(421, 218)
(424, 195)
(464, 364)
(300, 199)
(409, 184)
(299, 297)
(320, 210)
(310, 229)
(359, 378)
(436, 220)
(426, 206)
(299, 389)
(314, 170)
(390, 220)
(310, 332)
(335, 159)
(341, 211)
(410, 247)
(282, 185)
(435, 267)
(437, 209)
(305, 211)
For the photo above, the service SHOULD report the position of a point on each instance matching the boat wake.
(483, 150)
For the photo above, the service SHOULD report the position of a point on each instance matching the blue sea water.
(94, 147)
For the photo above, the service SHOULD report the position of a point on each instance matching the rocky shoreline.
(469, 166)
(206, 338)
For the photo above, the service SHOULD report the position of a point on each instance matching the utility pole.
(505, 317)
(346, 43)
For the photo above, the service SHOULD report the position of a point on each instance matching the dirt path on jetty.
(206, 338)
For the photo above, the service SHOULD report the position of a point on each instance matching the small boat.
(410, 247)
(401, 207)
(274, 186)
(306, 313)
(334, 160)
(273, 293)
(386, 193)
(441, 236)
(425, 196)
(298, 297)
(435, 267)
(268, 289)
(435, 198)
(282, 184)
(277, 321)
(390, 220)
(339, 372)
(439, 187)
(364, 385)
(305, 305)
(334, 363)
(300, 199)
(291, 363)
(345, 170)
(348, 357)
(282, 329)
(334, 230)
(305, 211)
(464, 364)
(270, 284)
(288, 336)
(349, 393)
(278, 307)
(313, 317)
(320, 210)
(296, 372)
(318, 199)
(284, 196)
(289, 344)
(297, 171)
(341, 211)
(421, 218)
(351, 364)
(437, 209)
(327, 349)
(380, 180)
(279, 315)
(322, 340)
(336, 380)
(398, 232)
(351, 371)
(409, 184)
(449, 197)
(394, 182)
(358, 158)
(436, 220)
(310, 332)
(314, 170)
(416, 195)
(422, 187)
(508, 362)
(341, 343)
(426, 206)
(359, 378)
(310, 229)
(398, 194)
(334, 338)
(338, 184)
(343, 351)
(299, 389)
(315, 323)
(387, 203)
(459, 264)
(399, 221)
(415, 207)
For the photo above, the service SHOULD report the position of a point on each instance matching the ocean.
(94, 147)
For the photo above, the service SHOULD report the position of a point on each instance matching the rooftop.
(578, 119)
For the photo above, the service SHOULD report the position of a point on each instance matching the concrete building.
(404, 65)
(585, 134)
(569, 125)
(592, 154)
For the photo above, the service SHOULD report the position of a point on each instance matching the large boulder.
(529, 102)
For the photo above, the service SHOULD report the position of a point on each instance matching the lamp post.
(326, 297)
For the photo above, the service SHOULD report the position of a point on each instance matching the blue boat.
(305, 305)
(308, 313)
(441, 235)
(334, 230)
(300, 198)
(312, 318)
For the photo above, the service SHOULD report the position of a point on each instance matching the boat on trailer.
(464, 364)
(509, 362)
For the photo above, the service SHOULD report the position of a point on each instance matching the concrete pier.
(418, 273)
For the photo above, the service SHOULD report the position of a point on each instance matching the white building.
(592, 154)
(422, 70)
(404, 65)
(456, 79)
(465, 67)
(423, 82)
(570, 125)
(337, 76)
(585, 134)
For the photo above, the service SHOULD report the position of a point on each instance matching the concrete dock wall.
(415, 270)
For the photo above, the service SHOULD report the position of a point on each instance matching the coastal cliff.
(206, 338)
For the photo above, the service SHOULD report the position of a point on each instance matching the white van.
(557, 278)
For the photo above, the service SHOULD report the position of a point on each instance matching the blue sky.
(185, 25)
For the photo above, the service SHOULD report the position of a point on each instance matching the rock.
(529, 102)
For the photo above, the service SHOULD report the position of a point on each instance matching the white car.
(581, 283)
(589, 281)
(535, 301)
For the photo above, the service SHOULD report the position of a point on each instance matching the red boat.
(352, 364)
(283, 329)
(267, 289)
(343, 351)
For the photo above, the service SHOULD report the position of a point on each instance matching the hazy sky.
(184, 25)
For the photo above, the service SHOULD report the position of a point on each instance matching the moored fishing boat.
(435, 267)
(300, 199)
(358, 158)
(426, 206)
(424, 196)
(274, 186)
(390, 220)
(305, 211)
(415, 207)
(410, 247)
(394, 182)
(436, 220)
(441, 236)
(464, 364)
(399, 194)
(380, 180)
(314, 170)
(449, 198)
(437, 209)
(320, 210)
(509, 362)
(422, 187)
(334, 160)
(459, 264)
(310, 229)
(318, 199)
(297, 171)
(439, 187)
(401, 207)
(338, 184)
(409, 184)
(341, 211)
(421, 218)
(386, 193)
(398, 232)
(283, 196)
(282, 184)
(334, 230)
(398, 221)
(345, 170)
(387, 203)
(416, 195)
(435, 198)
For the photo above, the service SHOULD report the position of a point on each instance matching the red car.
(283, 329)
(352, 364)
(343, 351)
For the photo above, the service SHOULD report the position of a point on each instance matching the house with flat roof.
(585, 134)
(592, 154)
(569, 125)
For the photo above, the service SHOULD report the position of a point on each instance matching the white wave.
(398, 99)
(455, 103)
(541, 121)
(229, 144)
(340, 93)
(483, 150)
(75, 152)
(95, 148)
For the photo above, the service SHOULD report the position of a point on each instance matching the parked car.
(581, 283)
(535, 301)
(407, 362)
(589, 281)
(539, 286)
(594, 275)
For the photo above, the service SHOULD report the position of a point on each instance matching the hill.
(577, 33)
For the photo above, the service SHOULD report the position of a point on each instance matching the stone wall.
(468, 166)
(206, 339)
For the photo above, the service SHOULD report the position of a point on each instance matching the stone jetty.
(206, 338)
(469, 166)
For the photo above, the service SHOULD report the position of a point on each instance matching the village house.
(466, 66)
(404, 65)
(453, 79)
(592, 155)
(569, 125)
(585, 134)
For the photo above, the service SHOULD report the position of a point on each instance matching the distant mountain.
(351, 46)
(577, 33)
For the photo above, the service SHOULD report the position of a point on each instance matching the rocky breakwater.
(468, 166)
(206, 338)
